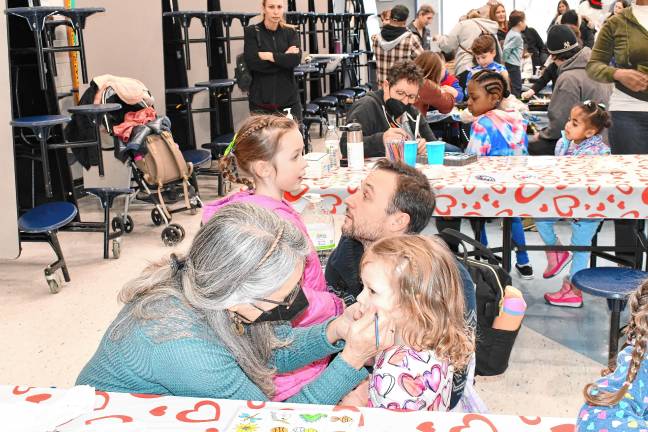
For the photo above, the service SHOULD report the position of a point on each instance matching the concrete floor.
(48, 338)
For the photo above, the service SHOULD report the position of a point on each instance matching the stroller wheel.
(117, 224)
(181, 229)
(171, 235)
(156, 217)
(128, 224)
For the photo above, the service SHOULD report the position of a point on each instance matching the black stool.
(184, 18)
(96, 112)
(41, 127)
(42, 224)
(614, 284)
(36, 17)
(328, 103)
(186, 94)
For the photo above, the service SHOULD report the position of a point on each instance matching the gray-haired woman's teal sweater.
(179, 355)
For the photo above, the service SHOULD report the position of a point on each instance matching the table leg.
(100, 152)
(506, 244)
(40, 59)
(614, 329)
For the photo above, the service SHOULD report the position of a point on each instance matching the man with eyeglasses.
(389, 114)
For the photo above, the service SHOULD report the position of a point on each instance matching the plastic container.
(435, 152)
(320, 226)
(332, 145)
(410, 149)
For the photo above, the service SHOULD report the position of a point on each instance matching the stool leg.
(52, 239)
(106, 234)
(99, 151)
(42, 137)
(614, 330)
(506, 244)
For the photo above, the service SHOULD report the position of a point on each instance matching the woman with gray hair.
(211, 324)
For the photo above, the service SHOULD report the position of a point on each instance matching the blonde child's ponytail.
(637, 334)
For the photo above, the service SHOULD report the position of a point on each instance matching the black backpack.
(493, 346)
(241, 71)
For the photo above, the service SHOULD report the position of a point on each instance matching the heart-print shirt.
(631, 412)
(410, 380)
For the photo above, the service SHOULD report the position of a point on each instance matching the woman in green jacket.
(624, 39)
(215, 323)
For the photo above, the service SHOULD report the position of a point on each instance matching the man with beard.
(394, 199)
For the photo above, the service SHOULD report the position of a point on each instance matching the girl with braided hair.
(498, 132)
(619, 400)
(413, 280)
(266, 156)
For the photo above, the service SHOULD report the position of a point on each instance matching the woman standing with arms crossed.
(272, 52)
(624, 37)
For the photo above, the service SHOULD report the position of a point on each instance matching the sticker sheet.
(270, 420)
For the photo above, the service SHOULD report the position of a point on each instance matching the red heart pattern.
(158, 411)
(426, 427)
(105, 398)
(121, 418)
(38, 398)
(203, 411)
(537, 191)
(474, 418)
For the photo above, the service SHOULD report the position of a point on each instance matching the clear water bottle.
(332, 144)
(320, 226)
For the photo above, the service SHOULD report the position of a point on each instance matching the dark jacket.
(423, 38)
(625, 40)
(535, 46)
(343, 278)
(549, 74)
(369, 111)
(273, 83)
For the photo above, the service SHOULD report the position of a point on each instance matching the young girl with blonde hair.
(266, 156)
(619, 400)
(414, 281)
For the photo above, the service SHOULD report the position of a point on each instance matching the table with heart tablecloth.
(612, 187)
(123, 412)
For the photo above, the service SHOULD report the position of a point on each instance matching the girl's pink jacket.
(322, 304)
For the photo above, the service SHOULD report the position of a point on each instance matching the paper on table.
(47, 415)
(294, 420)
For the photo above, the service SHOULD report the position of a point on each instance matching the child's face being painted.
(379, 292)
(485, 59)
(577, 127)
(479, 101)
(289, 162)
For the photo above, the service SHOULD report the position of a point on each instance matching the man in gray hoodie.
(572, 87)
(395, 43)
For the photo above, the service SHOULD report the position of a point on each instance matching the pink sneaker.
(556, 262)
(568, 296)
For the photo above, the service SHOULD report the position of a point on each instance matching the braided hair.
(637, 334)
(257, 139)
(492, 83)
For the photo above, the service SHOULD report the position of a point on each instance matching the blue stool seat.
(345, 94)
(40, 121)
(609, 282)
(312, 109)
(47, 217)
(217, 83)
(614, 284)
(326, 101)
(95, 108)
(197, 157)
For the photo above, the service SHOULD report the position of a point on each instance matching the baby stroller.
(144, 142)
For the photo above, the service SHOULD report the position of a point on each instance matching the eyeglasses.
(591, 105)
(401, 95)
(288, 301)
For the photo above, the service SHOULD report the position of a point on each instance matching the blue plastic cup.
(435, 152)
(410, 149)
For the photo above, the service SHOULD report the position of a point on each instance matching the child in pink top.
(269, 149)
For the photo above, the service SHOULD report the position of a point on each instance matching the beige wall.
(9, 246)
(199, 71)
(126, 40)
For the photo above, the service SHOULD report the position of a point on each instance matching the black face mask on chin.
(395, 107)
(284, 312)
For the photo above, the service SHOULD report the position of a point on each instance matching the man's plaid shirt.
(408, 48)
